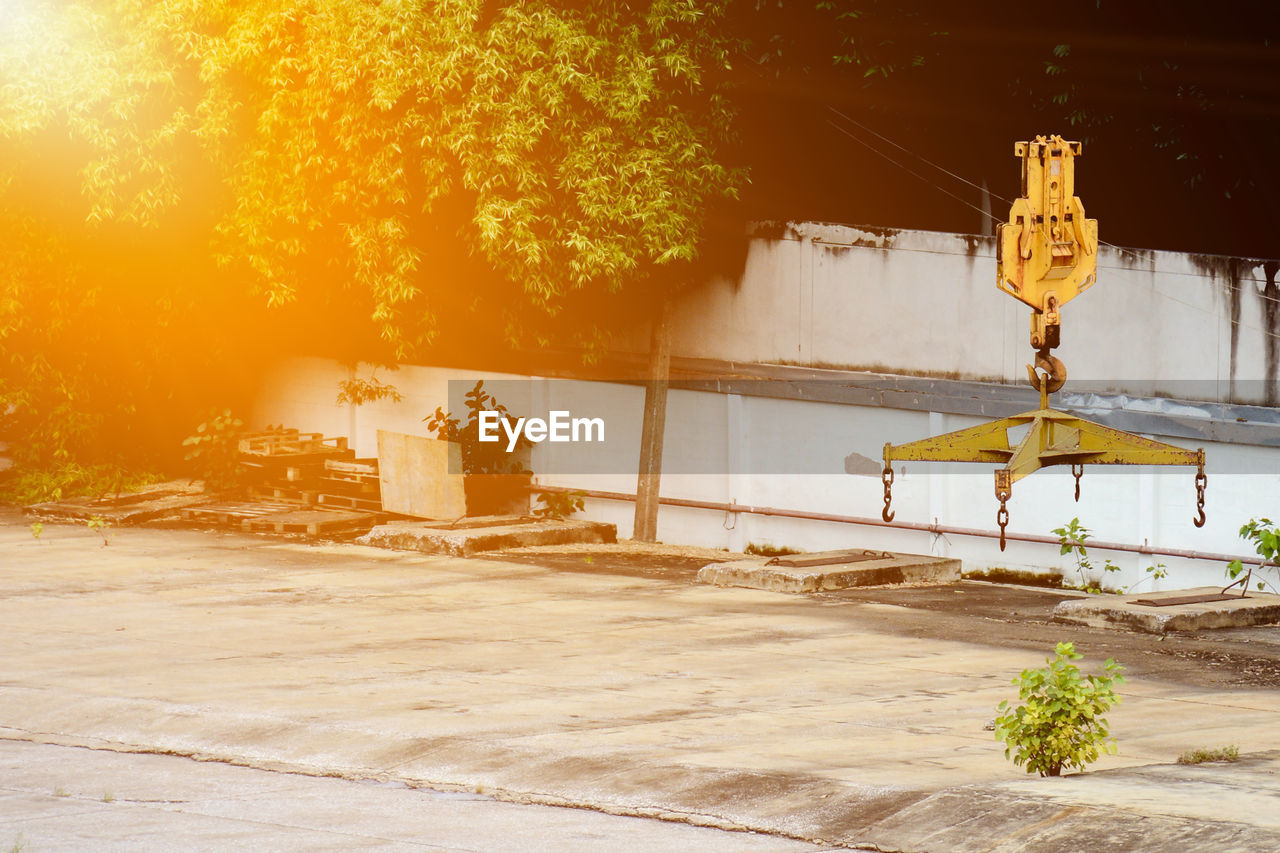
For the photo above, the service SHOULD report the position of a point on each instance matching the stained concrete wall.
(910, 302)
(1156, 323)
(794, 454)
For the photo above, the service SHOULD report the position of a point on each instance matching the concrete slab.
(819, 717)
(431, 537)
(146, 504)
(1125, 611)
(58, 798)
(893, 568)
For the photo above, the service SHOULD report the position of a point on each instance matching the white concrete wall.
(724, 448)
(901, 302)
(926, 303)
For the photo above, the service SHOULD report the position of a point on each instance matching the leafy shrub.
(357, 392)
(1060, 722)
(62, 480)
(1265, 537)
(214, 451)
(478, 457)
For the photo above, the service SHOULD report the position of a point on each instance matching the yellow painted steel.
(1054, 438)
(1048, 250)
(1047, 255)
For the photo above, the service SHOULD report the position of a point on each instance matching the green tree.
(405, 162)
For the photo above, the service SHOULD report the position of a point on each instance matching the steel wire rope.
(911, 171)
(999, 220)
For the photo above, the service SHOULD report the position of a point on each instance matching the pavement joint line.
(501, 794)
(102, 807)
(1124, 692)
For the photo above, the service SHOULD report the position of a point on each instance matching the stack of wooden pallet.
(351, 484)
(300, 482)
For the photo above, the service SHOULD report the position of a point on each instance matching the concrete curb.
(429, 537)
(1110, 611)
(757, 573)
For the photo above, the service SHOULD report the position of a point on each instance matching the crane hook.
(886, 476)
(1055, 372)
(1201, 482)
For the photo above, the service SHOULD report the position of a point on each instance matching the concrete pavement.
(57, 798)
(728, 708)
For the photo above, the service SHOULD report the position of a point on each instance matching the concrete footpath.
(835, 721)
(59, 798)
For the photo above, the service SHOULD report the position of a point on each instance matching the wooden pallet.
(351, 502)
(272, 492)
(312, 522)
(354, 484)
(291, 443)
(329, 486)
(357, 469)
(235, 512)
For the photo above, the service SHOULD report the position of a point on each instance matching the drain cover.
(829, 558)
(1203, 598)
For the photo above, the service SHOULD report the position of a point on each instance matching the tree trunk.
(655, 418)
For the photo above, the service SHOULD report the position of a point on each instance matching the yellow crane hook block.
(1048, 251)
(1048, 255)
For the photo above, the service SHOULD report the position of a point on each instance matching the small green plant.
(1071, 538)
(357, 392)
(214, 451)
(108, 797)
(61, 792)
(37, 528)
(1203, 756)
(1156, 572)
(1060, 722)
(559, 504)
(100, 526)
(1265, 537)
(19, 843)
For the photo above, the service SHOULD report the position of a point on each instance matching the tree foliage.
(1171, 99)
(409, 162)
(576, 146)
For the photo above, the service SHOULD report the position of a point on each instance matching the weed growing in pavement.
(19, 844)
(61, 792)
(100, 526)
(1071, 538)
(1264, 535)
(1203, 756)
(1154, 573)
(108, 797)
(36, 529)
(1060, 723)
